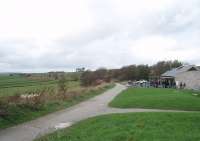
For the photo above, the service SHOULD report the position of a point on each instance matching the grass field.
(19, 81)
(157, 98)
(21, 113)
(19, 110)
(11, 85)
(133, 127)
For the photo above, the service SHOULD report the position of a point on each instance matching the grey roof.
(175, 71)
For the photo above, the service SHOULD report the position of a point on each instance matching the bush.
(14, 99)
(3, 107)
(94, 78)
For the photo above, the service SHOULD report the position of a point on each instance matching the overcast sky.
(46, 35)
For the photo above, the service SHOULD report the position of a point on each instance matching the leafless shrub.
(36, 102)
(72, 94)
(13, 99)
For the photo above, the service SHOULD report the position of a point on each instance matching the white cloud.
(43, 35)
(153, 48)
(43, 19)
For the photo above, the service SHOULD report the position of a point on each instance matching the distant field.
(11, 85)
(19, 81)
(157, 99)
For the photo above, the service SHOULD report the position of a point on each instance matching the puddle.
(63, 125)
(195, 94)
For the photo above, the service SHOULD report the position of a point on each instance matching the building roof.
(175, 71)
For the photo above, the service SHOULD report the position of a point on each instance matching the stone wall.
(190, 78)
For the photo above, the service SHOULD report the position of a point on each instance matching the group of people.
(162, 84)
(180, 85)
(158, 84)
(167, 84)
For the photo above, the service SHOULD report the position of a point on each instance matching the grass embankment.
(132, 127)
(158, 99)
(20, 111)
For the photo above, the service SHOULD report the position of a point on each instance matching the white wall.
(190, 78)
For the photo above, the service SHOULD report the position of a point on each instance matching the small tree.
(86, 78)
(62, 85)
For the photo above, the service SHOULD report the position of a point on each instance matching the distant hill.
(4, 73)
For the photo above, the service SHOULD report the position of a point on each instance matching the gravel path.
(64, 118)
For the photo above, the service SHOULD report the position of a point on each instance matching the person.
(174, 84)
(181, 85)
(163, 84)
(156, 83)
(167, 84)
(184, 85)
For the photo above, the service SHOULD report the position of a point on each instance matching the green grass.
(20, 81)
(157, 98)
(11, 85)
(18, 85)
(22, 114)
(132, 127)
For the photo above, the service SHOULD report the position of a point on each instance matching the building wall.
(190, 78)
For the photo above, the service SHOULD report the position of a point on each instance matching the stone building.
(189, 74)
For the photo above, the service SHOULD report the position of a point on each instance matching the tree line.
(131, 72)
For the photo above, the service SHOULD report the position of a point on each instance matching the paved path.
(93, 107)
